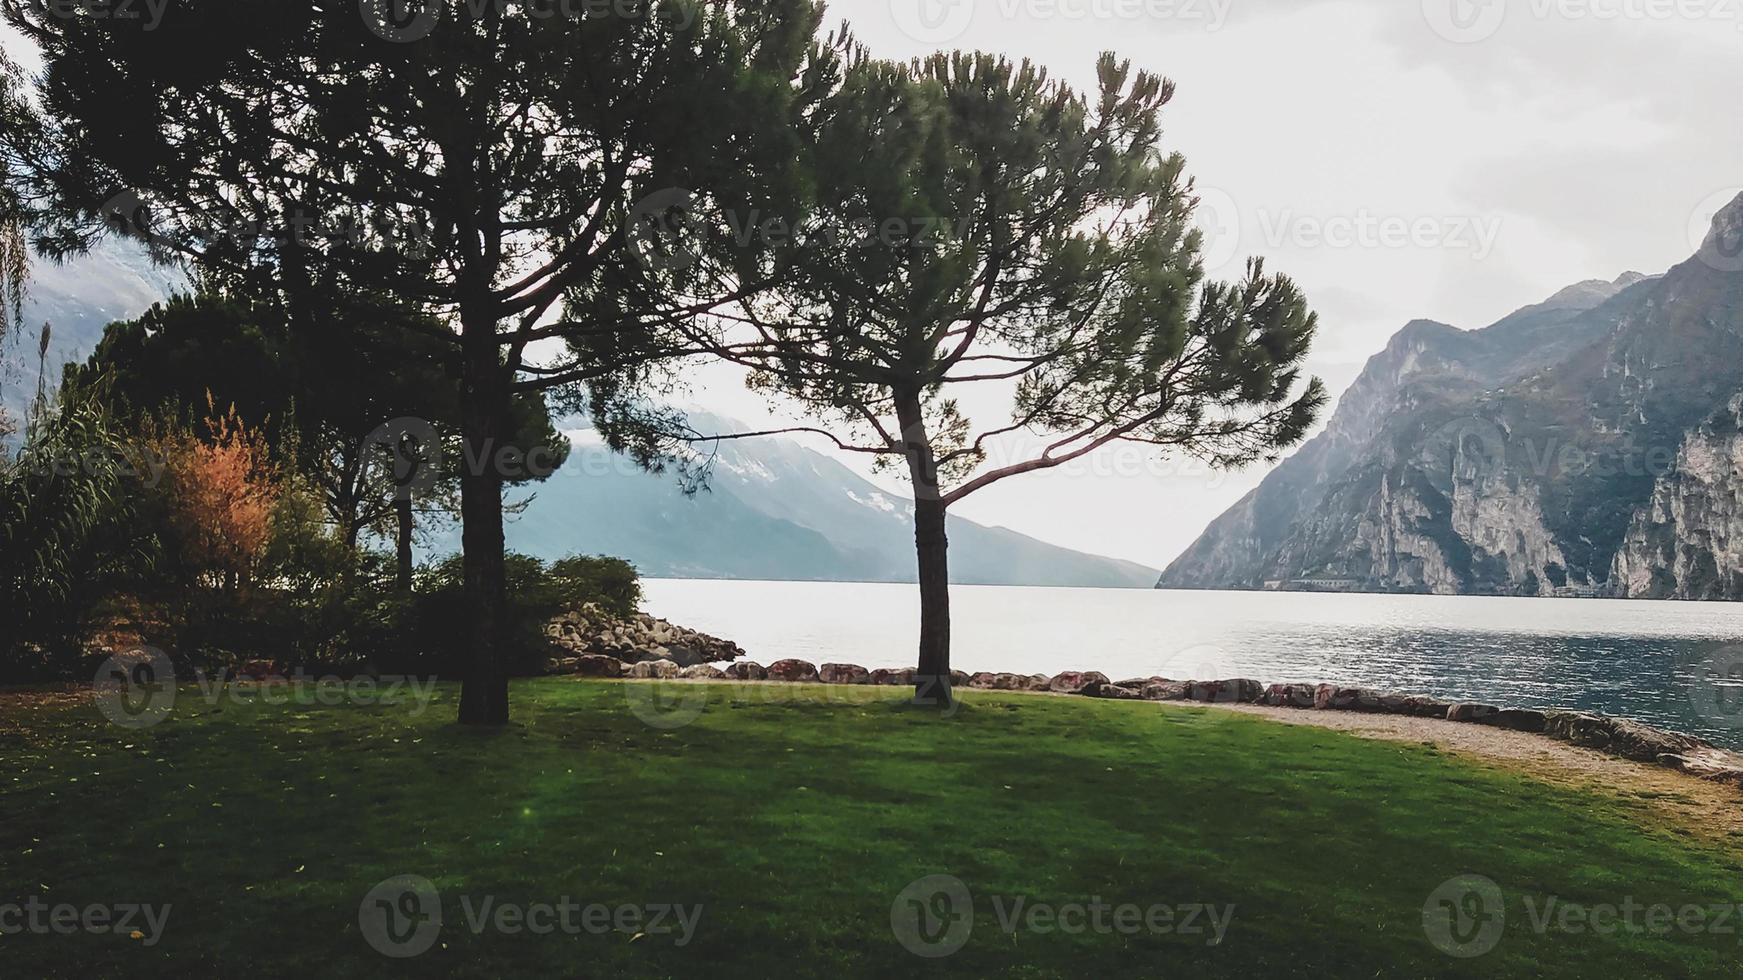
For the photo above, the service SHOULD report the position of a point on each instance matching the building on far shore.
(1315, 585)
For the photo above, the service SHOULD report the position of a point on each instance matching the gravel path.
(1693, 806)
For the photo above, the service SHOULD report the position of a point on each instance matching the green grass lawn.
(795, 817)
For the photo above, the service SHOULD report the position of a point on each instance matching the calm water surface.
(1664, 663)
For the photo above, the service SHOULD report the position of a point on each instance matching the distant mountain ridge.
(1578, 446)
(775, 509)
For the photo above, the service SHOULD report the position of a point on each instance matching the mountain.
(774, 509)
(1590, 444)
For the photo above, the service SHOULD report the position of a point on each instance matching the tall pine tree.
(977, 226)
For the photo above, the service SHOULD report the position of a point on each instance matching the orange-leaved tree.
(223, 486)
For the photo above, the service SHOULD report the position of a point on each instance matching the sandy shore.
(1695, 806)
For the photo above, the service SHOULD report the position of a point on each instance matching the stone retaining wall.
(1615, 736)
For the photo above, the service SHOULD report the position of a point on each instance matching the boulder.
(1239, 691)
(1628, 739)
(983, 680)
(702, 672)
(1330, 697)
(1135, 683)
(903, 677)
(1074, 681)
(959, 679)
(597, 665)
(792, 670)
(1110, 692)
(1163, 689)
(1709, 764)
(1471, 711)
(1004, 682)
(1036, 682)
(654, 668)
(746, 670)
(1519, 720)
(1289, 696)
(843, 674)
(1367, 700)
(1423, 706)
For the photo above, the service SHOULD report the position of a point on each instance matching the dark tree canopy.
(19, 121)
(483, 166)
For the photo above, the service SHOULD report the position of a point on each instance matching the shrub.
(537, 592)
(68, 537)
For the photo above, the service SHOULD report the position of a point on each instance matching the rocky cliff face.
(1586, 445)
(1687, 542)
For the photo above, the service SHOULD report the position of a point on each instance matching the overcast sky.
(1446, 159)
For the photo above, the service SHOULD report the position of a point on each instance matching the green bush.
(537, 591)
(69, 540)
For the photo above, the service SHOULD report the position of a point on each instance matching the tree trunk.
(402, 511)
(348, 499)
(484, 403)
(932, 548)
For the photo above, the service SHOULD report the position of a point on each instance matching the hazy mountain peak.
(1591, 293)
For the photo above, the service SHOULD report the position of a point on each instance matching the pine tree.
(979, 225)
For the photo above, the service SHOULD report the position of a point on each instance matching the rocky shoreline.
(592, 632)
(1614, 736)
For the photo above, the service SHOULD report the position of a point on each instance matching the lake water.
(1664, 663)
